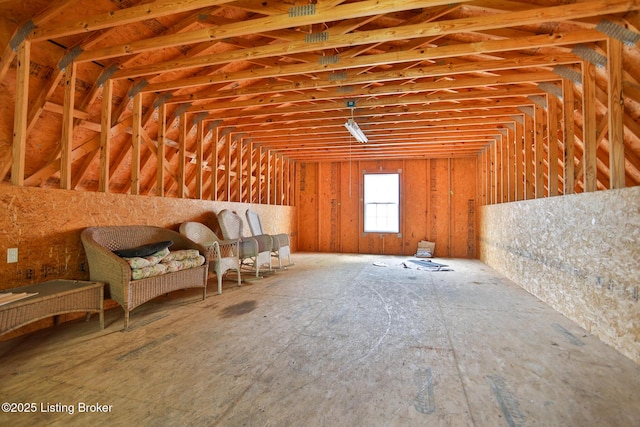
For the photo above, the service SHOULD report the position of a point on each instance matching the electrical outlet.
(12, 255)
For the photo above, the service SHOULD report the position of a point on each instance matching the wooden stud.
(161, 159)
(276, 178)
(539, 151)
(552, 127)
(287, 183)
(269, 176)
(182, 154)
(239, 171)
(261, 173)
(568, 135)
(21, 112)
(495, 181)
(66, 142)
(215, 164)
(105, 136)
(136, 138)
(227, 167)
(488, 165)
(482, 188)
(590, 133)
(212, 159)
(504, 161)
(529, 142)
(511, 146)
(488, 176)
(498, 169)
(519, 162)
(199, 155)
(616, 114)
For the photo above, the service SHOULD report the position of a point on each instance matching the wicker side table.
(53, 298)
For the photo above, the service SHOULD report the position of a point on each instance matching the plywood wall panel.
(349, 207)
(578, 253)
(463, 208)
(416, 207)
(435, 206)
(45, 226)
(440, 206)
(307, 197)
(329, 196)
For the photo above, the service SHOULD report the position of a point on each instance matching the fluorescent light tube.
(355, 131)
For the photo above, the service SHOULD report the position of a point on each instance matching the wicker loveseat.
(105, 266)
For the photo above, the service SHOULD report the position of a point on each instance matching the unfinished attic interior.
(511, 129)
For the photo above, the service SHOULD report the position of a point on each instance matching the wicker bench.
(115, 272)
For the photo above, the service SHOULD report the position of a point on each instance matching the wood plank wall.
(438, 202)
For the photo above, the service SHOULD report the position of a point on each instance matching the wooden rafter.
(221, 99)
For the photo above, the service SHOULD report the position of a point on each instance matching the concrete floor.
(333, 341)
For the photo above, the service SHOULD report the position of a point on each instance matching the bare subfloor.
(333, 341)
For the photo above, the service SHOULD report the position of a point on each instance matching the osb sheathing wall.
(580, 254)
(437, 203)
(45, 226)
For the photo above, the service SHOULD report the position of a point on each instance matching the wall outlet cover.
(12, 255)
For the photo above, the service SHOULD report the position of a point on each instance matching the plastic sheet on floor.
(428, 265)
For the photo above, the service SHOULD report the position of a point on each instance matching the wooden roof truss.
(220, 99)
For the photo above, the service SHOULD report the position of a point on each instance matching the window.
(382, 203)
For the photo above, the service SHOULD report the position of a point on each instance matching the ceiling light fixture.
(355, 131)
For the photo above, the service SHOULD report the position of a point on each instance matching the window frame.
(365, 204)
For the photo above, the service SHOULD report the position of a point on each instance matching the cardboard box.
(425, 249)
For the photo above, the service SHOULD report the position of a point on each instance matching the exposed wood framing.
(590, 123)
(616, 114)
(552, 144)
(135, 147)
(237, 94)
(161, 149)
(568, 136)
(182, 155)
(105, 136)
(199, 159)
(520, 159)
(538, 156)
(20, 119)
(66, 142)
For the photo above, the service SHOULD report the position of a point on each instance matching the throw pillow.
(143, 250)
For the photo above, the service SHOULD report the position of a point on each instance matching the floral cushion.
(140, 262)
(149, 271)
(163, 262)
(181, 255)
(177, 265)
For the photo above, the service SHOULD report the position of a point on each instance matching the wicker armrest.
(248, 247)
(265, 243)
(222, 249)
(280, 240)
(105, 266)
(229, 248)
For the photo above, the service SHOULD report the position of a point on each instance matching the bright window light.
(382, 203)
